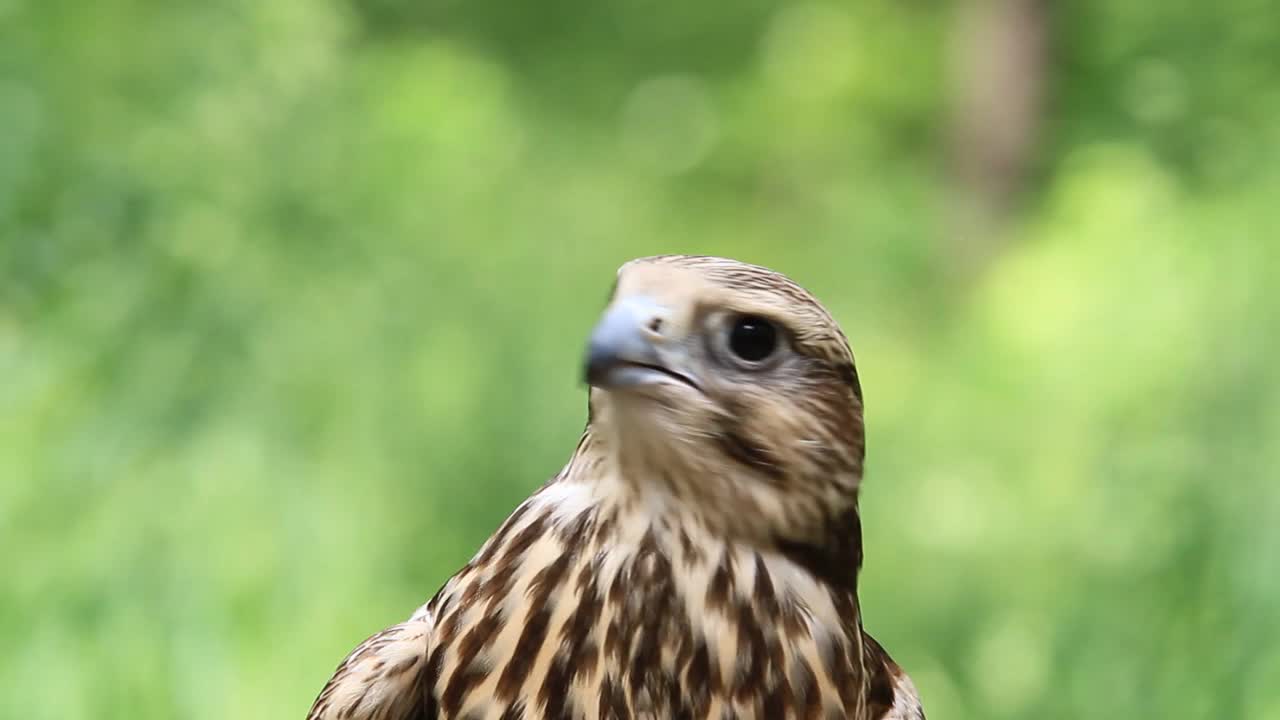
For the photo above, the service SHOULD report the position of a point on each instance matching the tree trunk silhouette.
(999, 56)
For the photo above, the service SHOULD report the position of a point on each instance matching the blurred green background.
(293, 295)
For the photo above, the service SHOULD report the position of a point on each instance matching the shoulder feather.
(383, 678)
(892, 694)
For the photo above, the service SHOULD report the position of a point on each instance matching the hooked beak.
(630, 347)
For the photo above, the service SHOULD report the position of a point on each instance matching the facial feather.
(781, 444)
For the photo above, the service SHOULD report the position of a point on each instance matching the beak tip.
(593, 365)
(603, 353)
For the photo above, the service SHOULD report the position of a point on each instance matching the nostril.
(655, 325)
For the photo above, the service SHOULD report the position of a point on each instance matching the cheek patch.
(745, 447)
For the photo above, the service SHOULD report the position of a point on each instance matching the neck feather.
(698, 499)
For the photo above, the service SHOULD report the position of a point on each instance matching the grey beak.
(625, 340)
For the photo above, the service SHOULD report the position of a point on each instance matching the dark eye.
(752, 338)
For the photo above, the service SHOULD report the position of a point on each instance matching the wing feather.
(384, 678)
(892, 694)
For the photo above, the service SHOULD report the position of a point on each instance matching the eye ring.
(752, 339)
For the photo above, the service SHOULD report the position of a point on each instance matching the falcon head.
(729, 389)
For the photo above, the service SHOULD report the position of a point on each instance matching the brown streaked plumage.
(697, 557)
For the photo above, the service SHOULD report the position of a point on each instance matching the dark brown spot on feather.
(881, 671)
(649, 609)
(751, 654)
(691, 553)
(576, 636)
(536, 625)
(478, 638)
(524, 654)
(523, 540)
(721, 584)
(494, 590)
(702, 679)
(553, 697)
(775, 704)
(463, 681)
(840, 665)
(548, 579)
(614, 650)
(766, 601)
(613, 704)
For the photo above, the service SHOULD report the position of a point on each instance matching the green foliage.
(292, 299)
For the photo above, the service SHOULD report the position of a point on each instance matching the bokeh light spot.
(669, 124)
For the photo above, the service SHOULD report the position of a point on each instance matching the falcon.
(697, 557)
